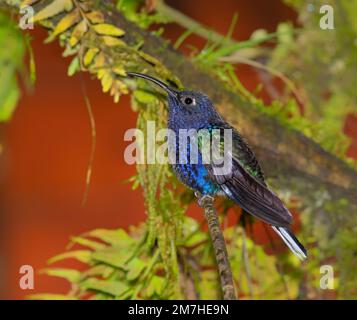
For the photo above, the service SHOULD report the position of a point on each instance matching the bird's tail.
(291, 241)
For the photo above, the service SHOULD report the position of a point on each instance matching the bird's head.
(187, 108)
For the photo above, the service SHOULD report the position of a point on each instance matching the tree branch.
(219, 246)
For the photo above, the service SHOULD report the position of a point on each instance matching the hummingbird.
(244, 183)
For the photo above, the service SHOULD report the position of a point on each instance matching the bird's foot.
(204, 200)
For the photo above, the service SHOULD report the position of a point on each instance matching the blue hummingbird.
(244, 183)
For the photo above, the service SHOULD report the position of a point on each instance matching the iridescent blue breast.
(192, 172)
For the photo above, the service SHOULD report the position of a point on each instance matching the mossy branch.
(219, 246)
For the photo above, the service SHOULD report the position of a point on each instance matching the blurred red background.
(47, 146)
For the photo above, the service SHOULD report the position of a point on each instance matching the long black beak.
(164, 86)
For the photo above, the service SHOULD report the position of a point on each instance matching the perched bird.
(244, 183)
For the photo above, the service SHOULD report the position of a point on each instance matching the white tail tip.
(291, 241)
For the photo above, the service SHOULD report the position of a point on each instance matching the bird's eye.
(188, 101)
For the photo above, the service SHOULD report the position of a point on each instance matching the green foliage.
(164, 209)
(121, 265)
(136, 11)
(97, 46)
(11, 62)
(346, 242)
(323, 65)
(118, 265)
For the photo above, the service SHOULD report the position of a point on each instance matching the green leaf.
(259, 34)
(8, 106)
(128, 6)
(114, 237)
(89, 56)
(80, 255)
(69, 274)
(114, 288)
(135, 266)
(112, 42)
(197, 238)
(155, 286)
(65, 23)
(95, 17)
(88, 243)
(99, 270)
(113, 257)
(11, 63)
(107, 81)
(119, 70)
(208, 285)
(144, 96)
(108, 30)
(78, 32)
(73, 67)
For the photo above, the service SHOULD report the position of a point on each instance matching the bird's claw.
(205, 200)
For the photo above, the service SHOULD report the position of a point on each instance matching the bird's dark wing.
(244, 183)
